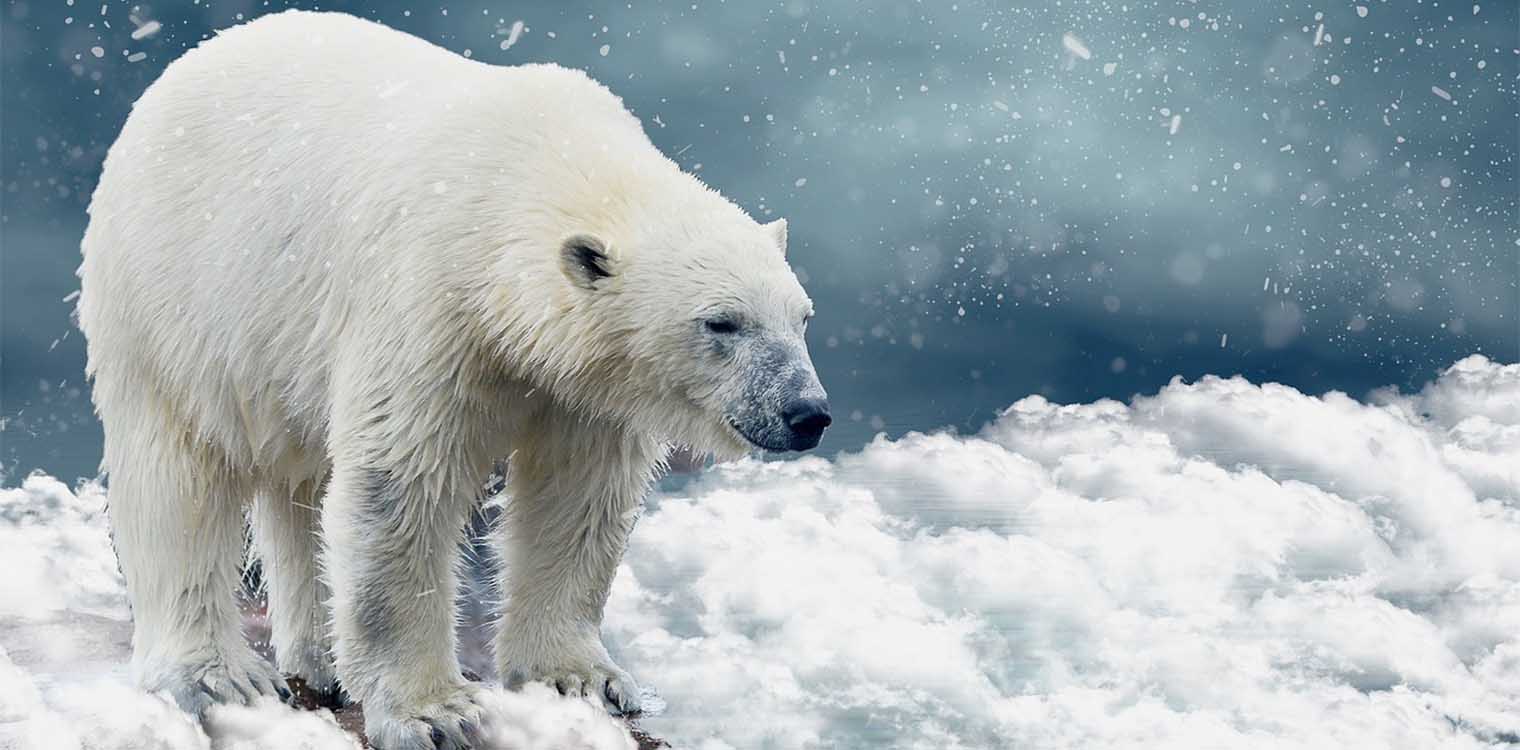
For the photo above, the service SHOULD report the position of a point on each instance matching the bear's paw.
(449, 722)
(584, 672)
(241, 679)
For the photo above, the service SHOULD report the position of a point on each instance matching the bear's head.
(698, 325)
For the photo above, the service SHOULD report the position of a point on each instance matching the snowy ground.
(1218, 565)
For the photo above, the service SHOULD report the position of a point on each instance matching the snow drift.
(1220, 564)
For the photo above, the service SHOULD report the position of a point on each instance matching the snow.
(146, 30)
(537, 718)
(1220, 564)
(1075, 46)
(55, 549)
(513, 34)
(64, 630)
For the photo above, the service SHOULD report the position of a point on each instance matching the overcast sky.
(985, 202)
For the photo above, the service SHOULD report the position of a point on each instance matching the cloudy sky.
(1076, 200)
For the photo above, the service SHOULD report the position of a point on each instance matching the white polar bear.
(336, 271)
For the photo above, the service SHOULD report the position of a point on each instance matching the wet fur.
(324, 269)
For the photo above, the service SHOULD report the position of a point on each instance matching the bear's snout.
(807, 418)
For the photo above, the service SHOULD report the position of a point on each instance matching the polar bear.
(333, 272)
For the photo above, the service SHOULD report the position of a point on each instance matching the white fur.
(324, 269)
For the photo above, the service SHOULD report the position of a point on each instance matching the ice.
(64, 634)
(1220, 564)
(1217, 564)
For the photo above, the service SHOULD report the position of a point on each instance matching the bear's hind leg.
(177, 524)
(285, 533)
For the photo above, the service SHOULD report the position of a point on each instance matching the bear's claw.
(607, 682)
(450, 724)
(623, 694)
(198, 687)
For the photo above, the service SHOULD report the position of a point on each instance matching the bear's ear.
(777, 230)
(584, 260)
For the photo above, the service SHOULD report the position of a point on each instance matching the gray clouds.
(979, 211)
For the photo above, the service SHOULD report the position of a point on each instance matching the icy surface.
(64, 634)
(1220, 564)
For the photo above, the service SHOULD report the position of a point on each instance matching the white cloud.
(1220, 564)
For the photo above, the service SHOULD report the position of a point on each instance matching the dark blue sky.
(1081, 200)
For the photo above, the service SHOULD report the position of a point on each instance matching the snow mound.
(56, 551)
(65, 632)
(537, 718)
(1221, 564)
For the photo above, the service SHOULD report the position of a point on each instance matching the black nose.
(807, 419)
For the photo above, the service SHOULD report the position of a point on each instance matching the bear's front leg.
(575, 493)
(392, 537)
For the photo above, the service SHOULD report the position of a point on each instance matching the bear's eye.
(722, 325)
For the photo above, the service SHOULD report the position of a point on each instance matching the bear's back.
(299, 178)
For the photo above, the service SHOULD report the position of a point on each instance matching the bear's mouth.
(744, 437)
(754, 442)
